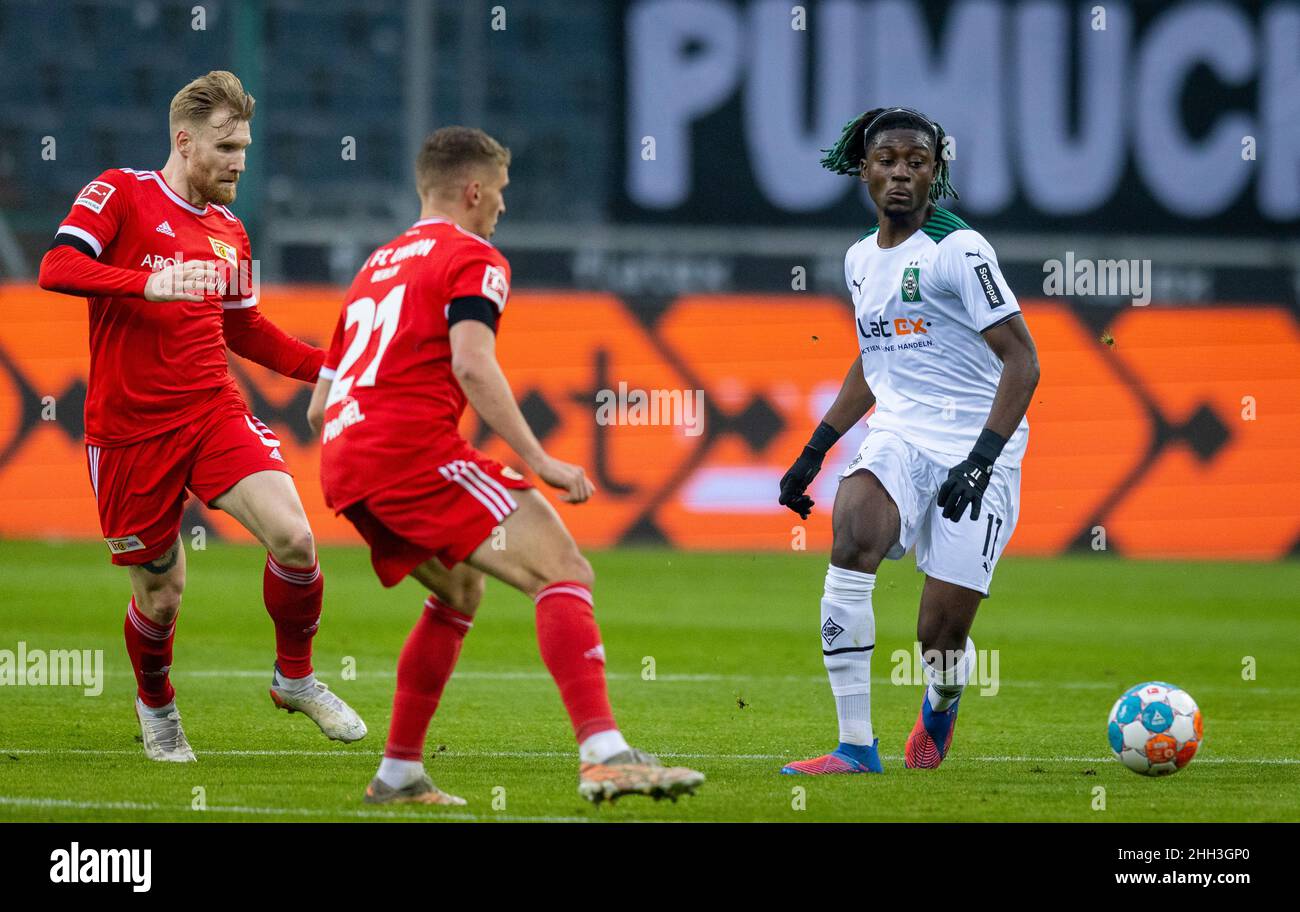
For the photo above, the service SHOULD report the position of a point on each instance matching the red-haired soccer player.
(166, 268)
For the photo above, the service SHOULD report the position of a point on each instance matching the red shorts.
(444, 515)
(140, 488)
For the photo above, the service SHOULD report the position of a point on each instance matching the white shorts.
(965, 552)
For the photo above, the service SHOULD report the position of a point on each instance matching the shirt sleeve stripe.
(82, 234)
(1010, 316)
(241, 304)
(327, 373)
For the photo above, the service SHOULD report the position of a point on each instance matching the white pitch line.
(546, 755)
(14, 801)
(182, 673)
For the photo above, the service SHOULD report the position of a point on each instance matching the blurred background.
(670, 229)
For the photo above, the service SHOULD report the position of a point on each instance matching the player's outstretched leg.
(848, 634)
(267, 504)
(541, 559)
(865, 521)
(149, 630)
(425, 665)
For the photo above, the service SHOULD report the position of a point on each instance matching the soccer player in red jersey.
(416, 340)
(167, 268)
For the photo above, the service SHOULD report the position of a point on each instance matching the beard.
(213, 190)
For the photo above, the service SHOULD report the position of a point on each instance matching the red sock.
(425, 665)
(149, 645)
(570, 644)
(293, 597)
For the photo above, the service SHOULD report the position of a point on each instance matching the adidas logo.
(166, 229)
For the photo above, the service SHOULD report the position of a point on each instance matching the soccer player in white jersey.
(947, 360)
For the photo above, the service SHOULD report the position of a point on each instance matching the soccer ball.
(1155, 728)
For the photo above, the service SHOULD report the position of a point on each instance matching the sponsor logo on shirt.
(166, 229)
(991, 292)
(880, 328)
(94, 195)
(495, 287)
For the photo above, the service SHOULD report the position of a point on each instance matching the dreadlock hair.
(847, 154)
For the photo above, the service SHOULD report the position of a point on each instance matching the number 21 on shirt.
(367, 317)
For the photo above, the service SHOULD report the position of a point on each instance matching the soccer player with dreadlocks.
(947, 361)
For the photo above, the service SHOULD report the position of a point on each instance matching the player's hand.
(965, 484)
(796, 481)
(188, 280)
(567, 477)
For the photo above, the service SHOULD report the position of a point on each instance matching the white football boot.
(164, 739)
(318, 703)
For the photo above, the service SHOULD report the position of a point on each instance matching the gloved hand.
(965, 484)
(795, 482)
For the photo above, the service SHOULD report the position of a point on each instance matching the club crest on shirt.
(912, 283)
(223, 250)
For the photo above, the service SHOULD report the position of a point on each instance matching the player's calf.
(947, 673)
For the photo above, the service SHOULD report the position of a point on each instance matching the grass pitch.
(714, 662)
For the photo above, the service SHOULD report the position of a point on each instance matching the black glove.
(805, 469)
(969, 479)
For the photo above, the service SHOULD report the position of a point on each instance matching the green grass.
(739, 689)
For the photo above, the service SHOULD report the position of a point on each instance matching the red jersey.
(394, 405)
(155, 365)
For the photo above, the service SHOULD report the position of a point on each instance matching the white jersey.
(920, 308)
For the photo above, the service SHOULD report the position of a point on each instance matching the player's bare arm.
(474, 362)
(853, 401)
(1014, 346)
(316, 408)
(968, 480)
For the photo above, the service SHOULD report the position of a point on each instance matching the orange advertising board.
(1176, 438)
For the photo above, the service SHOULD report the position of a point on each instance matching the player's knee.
(569, 567)
(940, 634)
(294, 546)
(851, 554)
(577, 569)
(468, 595)
(162, 604)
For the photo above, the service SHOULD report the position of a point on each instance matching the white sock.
(156, 712)
(947, 675)
(848, 636)
(294, 684)
(601, 746)
(400, 773)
